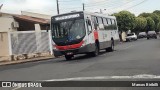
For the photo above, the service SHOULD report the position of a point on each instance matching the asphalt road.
(130, 59)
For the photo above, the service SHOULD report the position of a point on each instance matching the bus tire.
(68, 57)
(111, 49)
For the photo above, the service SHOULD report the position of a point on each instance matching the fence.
(27, 42)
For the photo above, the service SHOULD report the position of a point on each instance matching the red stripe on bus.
(74, 46)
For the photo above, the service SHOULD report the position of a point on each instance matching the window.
(94, 19)
(71, 30)
(113, 21)
(115, 24)
(105, 21)
(109, 21)
(100, 22)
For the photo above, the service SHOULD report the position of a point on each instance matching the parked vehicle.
(131, 37)
(142, 35)
(83, 33)
(151, 34)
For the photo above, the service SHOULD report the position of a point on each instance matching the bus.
(83, 33)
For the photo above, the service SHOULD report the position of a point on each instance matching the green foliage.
(144, 22)
(157, 12)
(158, 26)
(155, 16)
(145, 15)
(125, 20)
(150, 24)
(141, 24)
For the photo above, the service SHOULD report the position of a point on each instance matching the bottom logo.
(6, 84)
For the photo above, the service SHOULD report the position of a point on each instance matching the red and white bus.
(83, 33)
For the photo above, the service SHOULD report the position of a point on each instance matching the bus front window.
(69, 30)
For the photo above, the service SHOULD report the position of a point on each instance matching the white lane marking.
(142, 76)
(16, 88)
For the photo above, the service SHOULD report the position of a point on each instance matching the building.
(27, 21)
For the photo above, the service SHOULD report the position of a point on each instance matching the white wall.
(6, 24)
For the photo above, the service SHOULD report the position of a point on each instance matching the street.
(141, 57)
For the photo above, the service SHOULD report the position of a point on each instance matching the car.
(131, 36)
(151, 34)
(142, 35)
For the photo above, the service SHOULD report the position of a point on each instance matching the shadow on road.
(77, 58)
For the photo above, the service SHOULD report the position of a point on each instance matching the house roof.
(32, 19)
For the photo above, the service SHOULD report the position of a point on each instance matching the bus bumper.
(82, 50)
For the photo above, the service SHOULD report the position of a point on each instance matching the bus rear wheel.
(69, 57)
(110, 49)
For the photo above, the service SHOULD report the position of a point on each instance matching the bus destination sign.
(67, 17)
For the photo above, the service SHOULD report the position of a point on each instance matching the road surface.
(140, 59)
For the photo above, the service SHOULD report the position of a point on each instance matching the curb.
(25, 61)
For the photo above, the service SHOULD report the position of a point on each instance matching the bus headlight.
(54, 47)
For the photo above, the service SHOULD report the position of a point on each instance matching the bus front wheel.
(69, 57)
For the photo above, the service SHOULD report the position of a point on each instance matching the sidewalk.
(6, 62)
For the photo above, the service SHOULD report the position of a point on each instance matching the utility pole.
(101, 11)
(83, 7)
(1, 6)
(57, 6)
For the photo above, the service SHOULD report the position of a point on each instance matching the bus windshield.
(69, 30)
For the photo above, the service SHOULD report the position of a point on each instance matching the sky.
(107, 6)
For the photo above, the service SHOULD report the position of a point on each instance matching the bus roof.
(100, 15)
(90, 13)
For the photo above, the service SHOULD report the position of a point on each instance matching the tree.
(141, 24)
(125, 20)
(157, 12)
(156, 19)
(150, 24)
(158, 27)
(154, 16)
(144, 15)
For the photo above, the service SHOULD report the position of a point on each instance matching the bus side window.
(101, 26)
(105, 23)
(115, 24)
(89, 25)
(109, 24)
(95, 22)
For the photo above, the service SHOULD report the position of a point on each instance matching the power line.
(68, 1)
(104, 4)
(137, 4)
(122, 5)
(98, 3)
(134, 5)
(92, 5)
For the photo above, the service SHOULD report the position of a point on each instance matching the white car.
(131, 37)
